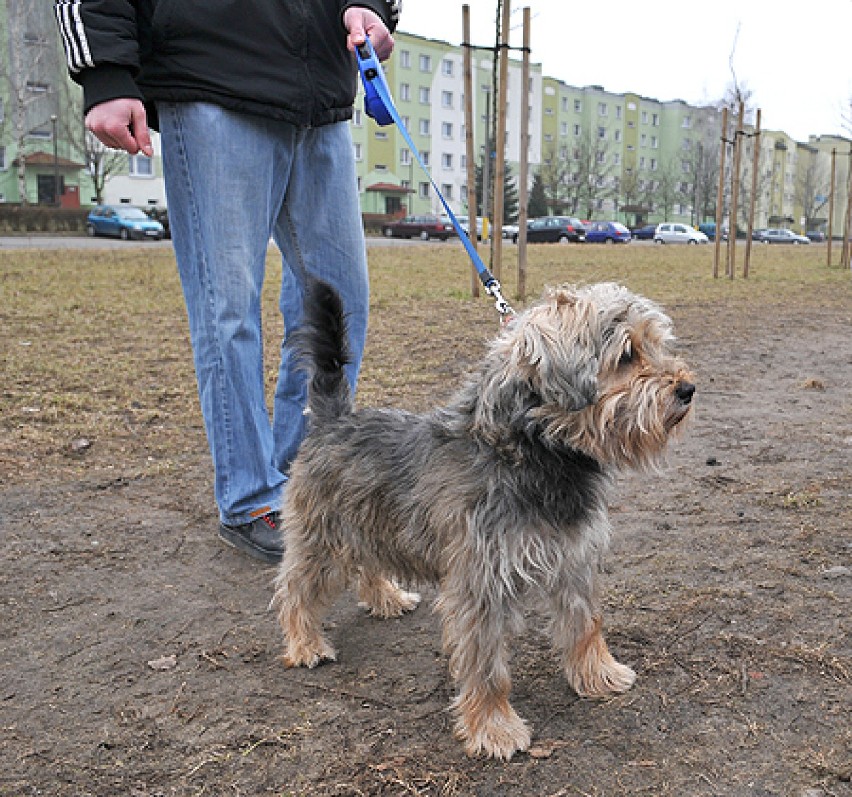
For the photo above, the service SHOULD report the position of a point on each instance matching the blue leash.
(379, 105)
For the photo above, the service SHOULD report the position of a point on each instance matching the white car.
(464, 222)
(673, 233)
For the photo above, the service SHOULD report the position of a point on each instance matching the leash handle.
(379, 105)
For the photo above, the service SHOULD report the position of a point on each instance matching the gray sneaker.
(261, 538)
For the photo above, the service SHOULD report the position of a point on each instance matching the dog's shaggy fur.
(498, 496)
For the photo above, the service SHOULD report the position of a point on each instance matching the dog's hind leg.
(588, 665)
(383, 598)
(307, 584)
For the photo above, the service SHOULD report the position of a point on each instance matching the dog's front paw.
(610, 678)
(304, 654)
(498, 736)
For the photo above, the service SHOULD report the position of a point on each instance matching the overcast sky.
(796, 57)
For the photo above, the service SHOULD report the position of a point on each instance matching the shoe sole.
(238, 541)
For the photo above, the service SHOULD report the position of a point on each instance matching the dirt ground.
(139, 658)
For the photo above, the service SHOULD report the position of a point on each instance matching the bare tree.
(668, 188)
(812, 190)
(101, 162)
(589, 183)
(555, 176)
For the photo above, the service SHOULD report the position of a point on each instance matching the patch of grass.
(94, 343)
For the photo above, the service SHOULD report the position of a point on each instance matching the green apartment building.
(598, 155)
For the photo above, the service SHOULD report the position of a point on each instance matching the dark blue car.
(607, 232)
(123, 221)
(645, 233)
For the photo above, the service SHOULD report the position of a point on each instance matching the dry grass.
(97, 364)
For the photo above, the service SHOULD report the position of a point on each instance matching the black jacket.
(284, 59)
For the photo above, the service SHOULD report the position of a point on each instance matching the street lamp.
(55, 162)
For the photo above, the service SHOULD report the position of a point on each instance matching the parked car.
(161, 215)
(607, 232)
(123, 221)
(674, 233)
(510, 231)
(779, 236)
(645, 233)
(554, 229)
(422, 227)
(817, 236)
(709, 229)
(464, 223)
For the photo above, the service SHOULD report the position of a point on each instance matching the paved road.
(84, 242)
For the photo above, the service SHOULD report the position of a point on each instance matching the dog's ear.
(556, 348)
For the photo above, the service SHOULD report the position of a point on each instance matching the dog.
(498, 497)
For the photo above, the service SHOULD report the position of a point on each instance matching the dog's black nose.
(684, 391)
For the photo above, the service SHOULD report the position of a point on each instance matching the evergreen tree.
(537, 204)
(510, 196)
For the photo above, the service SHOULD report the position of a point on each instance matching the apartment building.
(426, 80)
(600, 154)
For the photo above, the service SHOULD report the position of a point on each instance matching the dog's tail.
(321, 346)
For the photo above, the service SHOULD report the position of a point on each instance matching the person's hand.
(121, 124)
(361, 22)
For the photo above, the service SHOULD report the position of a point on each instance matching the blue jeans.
(234, 181)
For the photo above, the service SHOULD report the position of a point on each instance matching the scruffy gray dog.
(499, 496)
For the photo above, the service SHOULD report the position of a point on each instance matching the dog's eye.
(626, 355)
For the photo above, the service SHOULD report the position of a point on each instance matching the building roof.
(390, 188)
(46, 159)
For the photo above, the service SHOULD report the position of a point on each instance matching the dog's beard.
(627, 427)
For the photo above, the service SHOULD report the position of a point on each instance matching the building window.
(2, 158)
(687, 122)
(602, 109)
(425, 63)
(405, 59)
(447, 160)
(602, 132)
(578, 106)
(423, 190)
(358, 151)
(424, 127)
(655, 120)
(447, 190)
(404, 91)
(357, 118)
(424, 95)
(644, 117)
(140, 166)
(447, 130)
(446, 99)
(577, 130)
(447, 67)
(405, 156)
(617, 135)
(381, 135)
